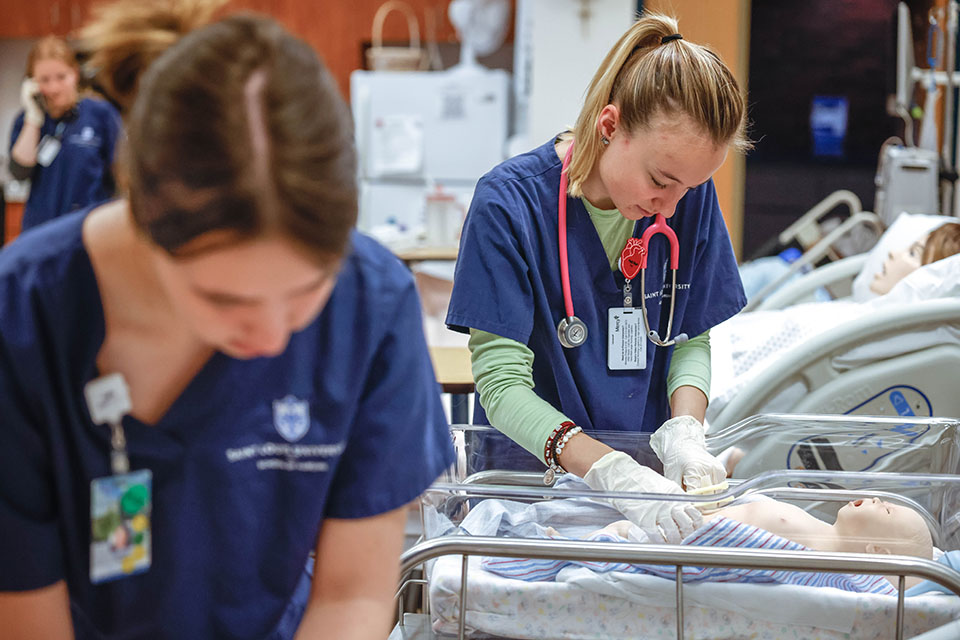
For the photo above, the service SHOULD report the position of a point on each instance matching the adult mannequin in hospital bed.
(849, 278)
(750, 343)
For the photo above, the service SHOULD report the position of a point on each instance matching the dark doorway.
(827, 52)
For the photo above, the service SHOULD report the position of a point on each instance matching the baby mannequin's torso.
(782, 519)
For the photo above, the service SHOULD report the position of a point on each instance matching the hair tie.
(670, 38)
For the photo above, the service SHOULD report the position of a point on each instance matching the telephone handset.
(38, 97)
(40, 100)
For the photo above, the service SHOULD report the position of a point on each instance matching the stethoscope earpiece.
(572, 332)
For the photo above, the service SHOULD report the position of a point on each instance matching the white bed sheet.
(749, 343)
(583, 605)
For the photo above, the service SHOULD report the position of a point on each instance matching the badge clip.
(108, 399)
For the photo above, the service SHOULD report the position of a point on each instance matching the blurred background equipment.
(420, 131)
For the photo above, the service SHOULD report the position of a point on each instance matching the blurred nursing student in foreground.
(198, 384)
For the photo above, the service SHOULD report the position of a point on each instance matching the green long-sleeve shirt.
(503, 368)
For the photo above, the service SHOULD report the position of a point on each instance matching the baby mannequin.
(867, 525)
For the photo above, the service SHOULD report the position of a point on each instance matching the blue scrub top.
(507, 282)
(82, 173)
(237, 506)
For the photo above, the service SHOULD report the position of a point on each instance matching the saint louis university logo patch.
(291, 417)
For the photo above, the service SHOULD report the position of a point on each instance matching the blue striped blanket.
(719, 532)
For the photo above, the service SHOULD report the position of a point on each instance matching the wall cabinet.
(336, 30)
(35, 19)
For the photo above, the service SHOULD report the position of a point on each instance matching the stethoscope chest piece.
(572, 332)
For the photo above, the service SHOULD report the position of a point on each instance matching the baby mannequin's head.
(870, 525)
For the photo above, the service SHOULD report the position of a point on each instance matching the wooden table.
(418, 254)
(11, 220)
(451, 365)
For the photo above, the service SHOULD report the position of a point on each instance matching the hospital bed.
(894, 354)
(896, 360)
(583, 604)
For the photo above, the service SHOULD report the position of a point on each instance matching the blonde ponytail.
(643, 75)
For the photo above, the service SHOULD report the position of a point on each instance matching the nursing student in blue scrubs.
(659, 118)
(282, 400)
(62, 143)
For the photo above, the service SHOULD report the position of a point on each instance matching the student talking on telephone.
(62, 143)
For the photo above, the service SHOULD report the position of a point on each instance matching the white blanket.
(582, 605)
(749, 343)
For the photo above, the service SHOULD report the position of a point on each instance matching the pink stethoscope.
(571, 330)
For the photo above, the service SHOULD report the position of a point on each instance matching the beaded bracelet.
(548, 449)
(554, 446)
(548, 456)
(561, 441)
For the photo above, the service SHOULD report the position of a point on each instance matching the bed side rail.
(801, 361)
(806, 229)
(815, 253)
(829, 274)
(679, 557)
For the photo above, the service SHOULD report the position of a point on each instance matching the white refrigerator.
(424, 133)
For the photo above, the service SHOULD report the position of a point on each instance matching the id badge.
(626, 339)
(120, 507)
(47, 150)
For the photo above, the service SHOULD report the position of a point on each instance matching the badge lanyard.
(49, 147)
(626, 337)
(121, 503)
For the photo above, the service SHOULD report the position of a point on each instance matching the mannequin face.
(897, 266)
(875, 526)
(648, 171)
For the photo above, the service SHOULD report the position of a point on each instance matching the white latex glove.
(665, 521)
(682, 448)
(32, 112)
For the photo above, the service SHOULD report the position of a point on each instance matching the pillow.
(905, 230)
(940, 279)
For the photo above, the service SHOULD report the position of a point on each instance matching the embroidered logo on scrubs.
(87, 137)
(291, 417)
